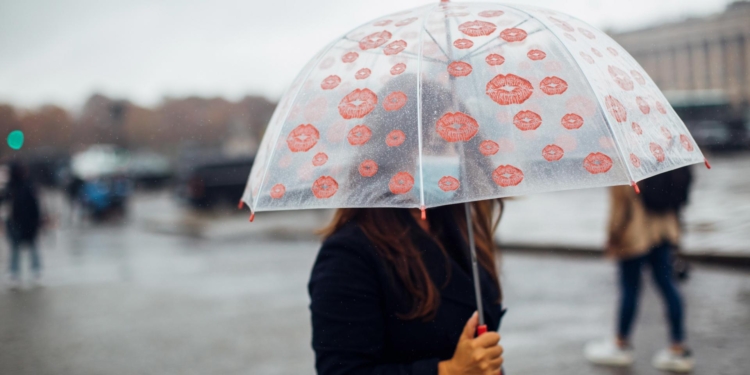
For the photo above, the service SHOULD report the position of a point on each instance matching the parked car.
(210, 182)
(712, 135)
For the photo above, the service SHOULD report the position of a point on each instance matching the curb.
(738, 261)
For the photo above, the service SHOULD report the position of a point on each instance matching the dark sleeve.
(347, 315)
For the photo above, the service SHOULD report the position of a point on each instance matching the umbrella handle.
(481, 330)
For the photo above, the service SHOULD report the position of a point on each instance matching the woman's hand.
(480, 356)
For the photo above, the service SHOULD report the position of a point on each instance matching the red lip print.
(666, 133)
(507, 175)
(494, 59)
(398, 69)
(635, 161)
(325, 187)
(448, 183)
(513, 35)
(358, 104)
(359, 135)
(596, 163)
(596, 52)
(395, 138)
(637, 128)
(562, 24)
(660, 108)
(374, 40)
(382, 23)
(302, 138)
(349, 57)
(686, 144)
(536, 55)
(327, 62)
(459, 69)
(320, 159)
(621, 78)
(638, 77)
(491, 13)
(527, 120)
(394, 47)
(330, 82)
(362, 73)
(571, 121)
(612, 51)
(616, 109)
(570, 36)
(509, 89)
(657, 151)
(405, 22)
(489, 148)
(277, 191)
(586, 33)
(394, 101)
(552, 153)
(553, 85)
(368, 168)
(456, 127)
(642, 105)
(477, 28)
(401, 183)
(587, 57)
(463, 43)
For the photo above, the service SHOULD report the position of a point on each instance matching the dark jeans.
(660, 260)
(15, 254)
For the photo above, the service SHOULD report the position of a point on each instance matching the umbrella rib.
(438, 44)
(591, 86)
(419, 106)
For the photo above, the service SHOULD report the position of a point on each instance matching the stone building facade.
(701, 64)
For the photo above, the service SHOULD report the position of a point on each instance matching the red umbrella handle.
(481, 330)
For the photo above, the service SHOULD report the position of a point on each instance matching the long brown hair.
(392, 236)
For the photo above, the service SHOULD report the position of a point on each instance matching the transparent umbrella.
(453, 103)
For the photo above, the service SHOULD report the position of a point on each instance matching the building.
(702, 65)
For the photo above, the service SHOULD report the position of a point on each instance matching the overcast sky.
(62, 51)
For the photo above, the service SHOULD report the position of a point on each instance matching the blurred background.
(139, 121)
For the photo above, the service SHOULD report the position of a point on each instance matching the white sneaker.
(606, 352)
(667, 360)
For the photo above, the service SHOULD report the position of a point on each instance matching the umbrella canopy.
(450, 103)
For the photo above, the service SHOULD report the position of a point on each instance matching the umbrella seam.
(286, 116)
(419, 102)
(591, 86)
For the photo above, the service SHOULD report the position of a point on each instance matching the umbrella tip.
(635, 186)
(424, 213)
(252, 217)
(705, 161)
(240, 205)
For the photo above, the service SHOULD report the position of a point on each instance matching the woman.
(644, 230)
(393, 294)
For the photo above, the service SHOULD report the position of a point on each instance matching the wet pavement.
(144, 297)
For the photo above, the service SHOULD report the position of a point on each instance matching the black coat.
(356, 296)
(24, 220)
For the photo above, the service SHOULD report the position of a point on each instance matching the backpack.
(667, 191)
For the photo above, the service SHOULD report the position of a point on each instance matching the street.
(132, 298)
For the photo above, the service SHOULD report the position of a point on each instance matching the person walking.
(23, 223)
(393, 294)
(644, 229)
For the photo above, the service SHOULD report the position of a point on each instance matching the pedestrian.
(23, 222)
(644, 229)
(393, 294)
